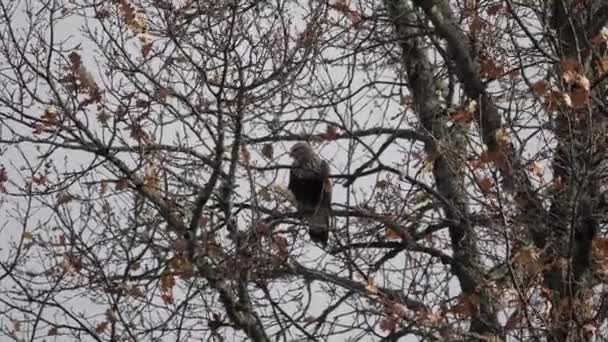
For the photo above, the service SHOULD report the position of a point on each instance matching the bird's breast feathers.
(309, 169)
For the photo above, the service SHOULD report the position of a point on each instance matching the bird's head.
(301, 152)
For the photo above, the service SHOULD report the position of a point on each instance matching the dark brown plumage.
(310, 185)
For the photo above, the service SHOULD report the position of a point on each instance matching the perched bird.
(310, 185)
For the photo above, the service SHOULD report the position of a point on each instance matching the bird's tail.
(319, 223)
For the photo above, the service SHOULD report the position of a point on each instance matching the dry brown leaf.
(400, 310)
(135, 291)
(462, 116)
(370, 285)
(138, 133)
(50, 117)
(570, 65)
(602, 65)
(342, 5)
(503, 137)
(540, 88)
(167, 298)
(180, 263)
(553, 99)
(67, 266)
(146, 43)
(406, 100)
(537, 169)
(122, 184)
(485, 184)
(75, 61)
(265, 194)
(167, 282)
(382, 184)
(86, 78)
(391, 234)
(3, 175)
(161, 94)
(245, 155)
(261, 228)
(583, 82)
(466, 307)
(602, 245)
(355, 18)
(579, 98)
(141, 103)
(40, 180)
(284, 193)
(331, 133)
(428, 164)
(388, 324)
(567, 100)
(527, 258)
(280, 242)
(268, 151)
(600, 253)
(495, 156)
(476, 164)
(494, 9)
(569, 76)
(64, 197)
(492, 70)
(151, 177)
(471, 106)
(101, 327)
(476, 24)
(429, 318)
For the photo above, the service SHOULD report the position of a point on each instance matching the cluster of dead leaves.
(344, 6)
(268, 151)
(600, 257)
(245, 155)
(65, 197)
(70, 264)
(578, 87)
(134, 19)
(490, 69)
(48, 121)
(139, 133)
(151, 177)
(465, 114)
(17, 328)
(527, 259)
(395, 313)
(40, 179)
(496, 156)
(331, 133)
(282, 193)
(394, 231)
(167, 283)
(79, 79)
(110, 317)
(466, 306)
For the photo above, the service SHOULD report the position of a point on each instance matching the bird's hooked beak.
(292, 152)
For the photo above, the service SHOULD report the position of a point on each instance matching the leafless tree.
(144, 169)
